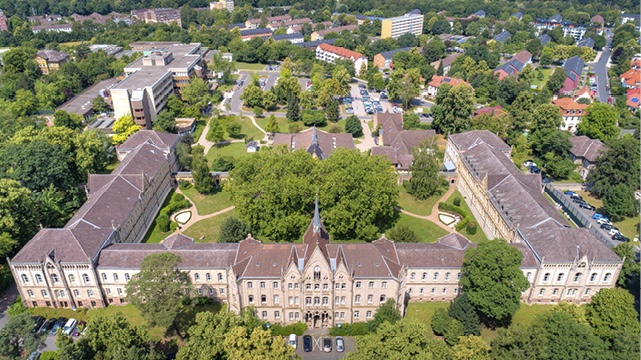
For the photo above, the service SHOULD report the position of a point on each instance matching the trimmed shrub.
(184, 185)
(458, 210)
(163, 222)
(471, 228)
(176, 197)
(359, 328)
(279, 330)
(457, 201)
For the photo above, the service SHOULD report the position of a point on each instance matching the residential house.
(584, 153)
(633, 18)
(569, 28)
(545, 39)
(46, 19)
(573, 70)
(518, 15)
(384, 60)
(318, 143)
(319, 35)
(633, 98)
(249, 34)
(52, 28)
(631, 78)
(329, 53)
(583, 93)
(294, 38)
(222, 4)
(361, 19)
(495, 111)
(447, 63)
(478, 14)
(571, 112)
(396, 143)
(636, 63)
(290, 23)
(586, 42)
(50, 60)
(163, 15)
(314, 44)
(437, 81)
(502, 36)
(514, 66)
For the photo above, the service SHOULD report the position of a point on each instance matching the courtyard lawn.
(425, 230)
(415, 206)
(546, 76)
(423, 311)
(283, 124)
(154, 235)
(200, 126)
(248, 129)
(235, 149)
(208, 229)
(628, 226)
(208, 204)
(249, 66)
(524, 315)
(480, 235)
(328, 125)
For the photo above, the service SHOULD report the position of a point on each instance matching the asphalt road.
(236, 102)
(317, 352)
(601, 71)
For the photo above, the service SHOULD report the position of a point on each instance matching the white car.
(613, 231)
(529, 163)
(293, 340)
(69, 326)
(603, 221)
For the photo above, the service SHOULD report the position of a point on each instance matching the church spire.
(317, 221)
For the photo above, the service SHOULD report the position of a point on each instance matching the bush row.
(359, 328)
(280, 330)
(466, 218)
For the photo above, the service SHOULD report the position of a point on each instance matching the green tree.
(583, 344)
(461, 309)
(252, 96)
(233, 230)
(243, 343)
(454, 111)
(272, 125)
(619, 202)
(223, 163)
(124, 127)
(440, 321)
(425, 181)
(25, 102)
(165, 122)
(16, 337)
(386, 313)
(402, 234)
(434, 50)
(440, 70)
(453, 331)
(618, 165)
(520, 342)
(493, 280)
(18, 218)
(203, 181)
(611, 310)
(269, 100)
(332, 111)
(353, 126)
(158, 288)
(377, 81)
(63, 118)
(410, 121)
(599, 122)
(471, 348)
(234, 129)
(556, 80)
(558, 167)
(216, 131)
(546, 117)
(94, 151)
(196, 92)
(293, 110)
(407, 91)
(221, 66)
(99, 105)
(630, 267)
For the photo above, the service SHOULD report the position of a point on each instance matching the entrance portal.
(316, 321)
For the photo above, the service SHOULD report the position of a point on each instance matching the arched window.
(85, 278)
(263, 299)
(104, 276)
(25, 278)
(38, 278)
(220, 276)
(384, 284)
(593, 277)
(251, 299)
(54, 278)
(127, 277)
(208, 276)
(412, 276)
(72, 279)
(357, 299)
(529, 275)
(577, 277)
(115, 277)
(447, 276)
(546, 277)
(317, 274)
(196, 277)
(435, 276)
(607, 277)
(371, 284)
(424, 277)
(560, 277)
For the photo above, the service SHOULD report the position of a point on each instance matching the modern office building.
(222, 4)
(397, 26)
(152, 78)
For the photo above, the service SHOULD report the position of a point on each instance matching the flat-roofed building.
(82, 104)
(395, 27)
(320, 34)
(152, 78)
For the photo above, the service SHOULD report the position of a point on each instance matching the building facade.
(50, 60)
(329, 53)
(89, 262)
(3, 22)
(395, 27)
(571, 112)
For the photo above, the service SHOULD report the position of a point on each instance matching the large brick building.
(89, 262)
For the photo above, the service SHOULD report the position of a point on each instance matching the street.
(601, 71)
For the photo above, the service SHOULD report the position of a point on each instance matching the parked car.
(327, 344)
(293, 340)
(568, 192)
(577, 199)
(79, 327)
(587, 206)
(38, 321)
(613, 231)
(340, 345)
(34, 356)
(603, 221)
(598, 216)
(307, 343)
(528, 163)
(349, 110)
(620, 237)
(361, 86)
(58, 324)
(47, 326)
(606, 227)
(535, 170)
(384, 96)
(69, 326)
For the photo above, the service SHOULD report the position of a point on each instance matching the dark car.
(384, 96)
(307, 343)
(620, 237)
(606, 227)
(38, 321)
(81, 325)
(47, 325)
(327, 344)
(577, 198)
(535, 170)
(587, 206)
(58, 325)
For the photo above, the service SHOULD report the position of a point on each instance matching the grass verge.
(208, 204)
(207, 230)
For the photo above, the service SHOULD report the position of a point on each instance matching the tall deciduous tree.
(599, 122)
(493, 280)
(386, 313)
(196, 92)
(425, 180)
(233, 230)
(353, 126)
(619, 202)
(618, 165)
(546, 117)
(17, 213)
(471, 348)
(16, 338)
(611, 310)
(242, 343)
(63, 118)
(165, 123)
(520, 342)
(158, 288)
(453, 113)
(556, 80)
(124, 127)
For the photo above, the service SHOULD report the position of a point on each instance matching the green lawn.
(480, 235)
(525, 314)
(423, 312)
(208, 204)
(154, 235)
(251, 67)
(209, 228)
(415, 206)
(248, 129)
(283, 124)
(233, 149)
(328, 125)
(200, 126)
(425, 230)
(546, 76)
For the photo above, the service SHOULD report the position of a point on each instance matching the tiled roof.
(545, 38)
(494, 111)
(598, 19)
(438, 80)
(634, 97)
(160, 139)
(279, 18)
(574, 67)
(632, 77)
(583, 146)
(522, 57)
(389, 54)
(399, 150)
(338, 29)
(64, 245)
(297, 21)
(502, 36)
(52, 55)
(345, 53)
(447, 61)
(586, 42)
(315, 141)
(556, 243)
(466, 140)
(568, 104)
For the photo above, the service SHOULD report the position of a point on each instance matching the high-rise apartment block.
(395, 27)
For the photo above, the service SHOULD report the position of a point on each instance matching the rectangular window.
(370, 299)
(30, 293)
(296, 315)
(119, 291)
(337, 286)
(290, 286)
(291, 316)
(343, 300)
(356, 314)
(337, 300)
(250, 285)
(291, 300)
(325, 286)
(221, 290)
(90, 293)
(108, 291)
(275, 284)
(433, 290)
(277, 314)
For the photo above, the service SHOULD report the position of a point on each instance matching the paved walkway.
(195, 216)
(253, 119)
(433, 217)
(367, 142)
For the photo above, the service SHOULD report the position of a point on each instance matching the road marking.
(317, 342)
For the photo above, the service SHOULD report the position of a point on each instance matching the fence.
(576, 214)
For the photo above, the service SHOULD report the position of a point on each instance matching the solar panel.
(447, 79)
(635, 100)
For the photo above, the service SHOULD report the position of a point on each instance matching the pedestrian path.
(195, 216)
(433, 217)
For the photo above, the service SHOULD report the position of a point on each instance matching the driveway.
(601, 71)
(271, 80)
(317, 351)
(236, 102)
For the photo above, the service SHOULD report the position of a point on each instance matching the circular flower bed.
(183, 217)
(446, 219)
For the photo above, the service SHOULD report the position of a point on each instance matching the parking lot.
(317, 352)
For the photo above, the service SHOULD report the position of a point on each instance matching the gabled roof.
(438, 80)
(584, 147)
(52, 55)
(64, 245)
(631, 77)
(161, 139)
(248, 32)
(399, 150)
(568, 104)
(345, 53)
(518, 15)
(586, 42)
(502, 36)
(574, 67)
(494, 111)
(545, 38)
(389, 54)
(469, 139)
(338, 29)
(556, 17)
(447, 61)
(634, 97)
(291, 36)
(316, 142)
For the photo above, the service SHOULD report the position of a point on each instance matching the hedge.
(466, 218)
(279, 330)
(359, 328)
(471, 228)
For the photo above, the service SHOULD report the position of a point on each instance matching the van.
(69, 326)
(293, 340)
